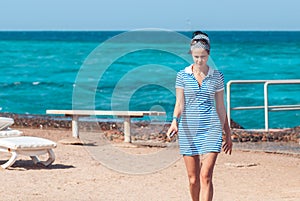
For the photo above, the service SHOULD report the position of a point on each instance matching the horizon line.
(123, 30)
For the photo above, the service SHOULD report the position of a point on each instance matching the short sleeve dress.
(199, 128)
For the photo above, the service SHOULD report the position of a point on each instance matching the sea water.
(46, 70)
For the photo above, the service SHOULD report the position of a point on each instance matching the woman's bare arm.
(179, 105)
(220, 107)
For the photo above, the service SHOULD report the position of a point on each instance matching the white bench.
(126, 115)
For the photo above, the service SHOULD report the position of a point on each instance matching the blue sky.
(136, 14)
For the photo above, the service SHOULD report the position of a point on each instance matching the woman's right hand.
(173, 128)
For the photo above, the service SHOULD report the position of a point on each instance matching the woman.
(199, 118)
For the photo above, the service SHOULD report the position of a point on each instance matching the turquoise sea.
(43, 70)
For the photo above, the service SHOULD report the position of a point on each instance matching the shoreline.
(145, 130)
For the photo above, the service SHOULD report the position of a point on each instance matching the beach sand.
(77, 175)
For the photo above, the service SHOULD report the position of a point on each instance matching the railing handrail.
(266, 107)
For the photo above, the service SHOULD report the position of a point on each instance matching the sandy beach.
(77, 175)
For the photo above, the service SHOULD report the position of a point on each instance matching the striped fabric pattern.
(200, 130)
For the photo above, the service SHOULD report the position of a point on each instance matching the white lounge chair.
(5, 131)
(5, 122)
(10, 133)
(29, 146)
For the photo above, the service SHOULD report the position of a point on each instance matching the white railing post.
(266, 106)
(228, 102)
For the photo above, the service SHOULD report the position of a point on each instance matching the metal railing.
(266, 106)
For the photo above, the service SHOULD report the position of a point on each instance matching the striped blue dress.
(200, 130)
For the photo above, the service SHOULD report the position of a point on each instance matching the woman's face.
(200, 56)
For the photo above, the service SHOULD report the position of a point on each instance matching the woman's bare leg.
(192, 164)
(206, 174)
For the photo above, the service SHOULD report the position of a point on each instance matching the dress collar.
(190, 71)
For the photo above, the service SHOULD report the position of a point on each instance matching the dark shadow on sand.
(29, 165)
(90, 144)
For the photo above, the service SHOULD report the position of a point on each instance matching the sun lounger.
(5, 131)
(10, 133)
(29, 146)
(5, 122)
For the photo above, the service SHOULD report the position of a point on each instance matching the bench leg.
(75, 129)
(46, 163)
(127, 137)
(11, 161)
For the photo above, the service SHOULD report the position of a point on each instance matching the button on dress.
(199, 129)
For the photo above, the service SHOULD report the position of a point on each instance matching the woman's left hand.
(227, 146)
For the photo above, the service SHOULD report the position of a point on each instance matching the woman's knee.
(207, 168)
(206, 177)
(194, 180)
